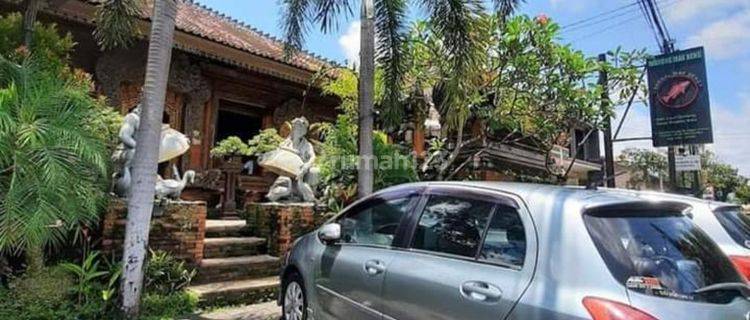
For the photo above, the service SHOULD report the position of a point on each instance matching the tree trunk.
(29, 18)
(34, 258)
(366, 99)
(140, 204)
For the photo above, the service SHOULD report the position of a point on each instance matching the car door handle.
(481, 291)
(373, 267)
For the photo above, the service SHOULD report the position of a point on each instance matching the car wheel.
(294, 300)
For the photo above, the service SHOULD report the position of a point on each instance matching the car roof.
(545, 195)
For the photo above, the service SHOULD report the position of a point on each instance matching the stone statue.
(173, 144)
(172, 188)
(123, 155)
(296, 151)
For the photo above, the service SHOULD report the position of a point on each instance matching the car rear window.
(736, 223)
(661, 253)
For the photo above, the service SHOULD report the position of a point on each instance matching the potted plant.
(231, 150)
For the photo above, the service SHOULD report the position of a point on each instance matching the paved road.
(261, 311)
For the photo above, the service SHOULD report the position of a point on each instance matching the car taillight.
(603, 309)
(742, 264)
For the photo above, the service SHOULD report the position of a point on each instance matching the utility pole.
(609, 156)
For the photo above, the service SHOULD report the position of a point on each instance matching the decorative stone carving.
(173, 144)
(296, 183)
(172, 188)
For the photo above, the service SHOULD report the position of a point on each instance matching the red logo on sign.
(677, 91)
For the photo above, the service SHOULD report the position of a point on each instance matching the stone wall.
(180, 230)
(281, 223)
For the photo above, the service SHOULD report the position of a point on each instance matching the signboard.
(678, 97)
(687, 163)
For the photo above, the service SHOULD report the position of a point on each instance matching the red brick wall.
(180, 230)
(281, 224)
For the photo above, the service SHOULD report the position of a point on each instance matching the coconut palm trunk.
(366, 99)
(140, 203)
(29, 19)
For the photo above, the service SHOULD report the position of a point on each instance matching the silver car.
(475, 250)
(725, 223)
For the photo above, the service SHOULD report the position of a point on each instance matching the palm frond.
(295, 19)
(327, 11)
(504, 8)
(389, 27)
(117, 23)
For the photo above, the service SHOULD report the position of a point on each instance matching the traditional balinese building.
(226, 79)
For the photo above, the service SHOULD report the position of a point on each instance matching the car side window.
(452, 225)
(375, 222)
(505, 242)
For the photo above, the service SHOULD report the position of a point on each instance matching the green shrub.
(159, 307)
(231, 146)
(41, 295)
(49, 49)
(165, 274)
(265, 141)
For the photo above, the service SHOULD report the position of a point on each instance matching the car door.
(471, 256)
(350, 273)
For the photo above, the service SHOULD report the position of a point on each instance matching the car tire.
(294, 298)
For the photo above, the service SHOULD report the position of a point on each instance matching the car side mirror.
(330, 233)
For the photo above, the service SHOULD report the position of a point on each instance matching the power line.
(620, 23)
(598, 16)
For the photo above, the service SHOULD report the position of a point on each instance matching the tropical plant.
(265, 141)
(117, 23)
(528, 88)
(140, 203)
(645, 167)
(231, 146)
(41, 295)
(384, 20)
(724, 178)
(44, 140)
(165, 275)
(86, 276)
(51, 50)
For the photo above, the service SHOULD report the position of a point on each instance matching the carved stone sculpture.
(172, 188)
(123, 155)
(293, 161)
(172, 145)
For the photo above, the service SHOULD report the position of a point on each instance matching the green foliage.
(162, 307)
(265, 141)
(86, 276)
(644, 166)
(50, 50)
(45, 138)
(742, 194)
(105, 123)
(40, 295)
(166, 275)
(232, 146)
(724, 178)
(117, 23)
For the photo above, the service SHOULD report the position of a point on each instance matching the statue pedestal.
(231, 166)
(180, 230)
(281, 223)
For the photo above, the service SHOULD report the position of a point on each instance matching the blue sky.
(722, 26)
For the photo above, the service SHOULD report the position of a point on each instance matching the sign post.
(679, 103)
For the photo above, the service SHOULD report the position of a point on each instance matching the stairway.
(235, 267)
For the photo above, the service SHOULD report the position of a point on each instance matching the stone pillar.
(231, 168)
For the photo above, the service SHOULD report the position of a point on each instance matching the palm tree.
(384, 20)
(140, 203)
(44, 140)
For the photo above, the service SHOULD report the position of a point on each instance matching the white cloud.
(684, 11)
(725, 39)
(732, 133)
(636, 125)
(349, 43)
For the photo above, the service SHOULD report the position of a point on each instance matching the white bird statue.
(172, 188)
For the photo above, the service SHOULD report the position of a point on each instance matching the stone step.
(232, 247)
(237, 268)
(219, 294)
(261, 311)
(216, 228)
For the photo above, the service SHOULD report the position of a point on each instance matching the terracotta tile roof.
(202, 21)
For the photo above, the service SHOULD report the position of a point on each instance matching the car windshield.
(736, 223)
(661, 254)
